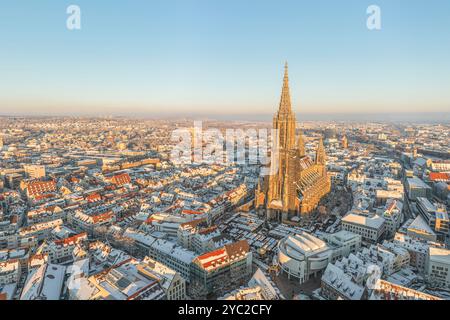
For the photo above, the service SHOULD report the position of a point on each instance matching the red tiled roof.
(71, 240)
(439, 176)
(44, 196)
(94, 197)
(224, 255)
(36, 188)
(238, 247)
(208, 230)
(102, 217)
(211, 258)
(186, 211)
(121, 179)
(149, 220)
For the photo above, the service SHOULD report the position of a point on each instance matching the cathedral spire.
(320, 153)
(296, 184)
(285, 102)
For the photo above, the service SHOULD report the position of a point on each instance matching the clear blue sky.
(144, 56)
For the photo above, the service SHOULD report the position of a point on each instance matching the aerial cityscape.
(144, 206)
(95, 209)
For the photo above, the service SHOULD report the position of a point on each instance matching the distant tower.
(344, 142)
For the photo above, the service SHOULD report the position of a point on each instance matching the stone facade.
(297, 183)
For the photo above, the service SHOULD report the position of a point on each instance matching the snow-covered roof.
(159, 271)
(440, 255)
(138, 236)
(374, 222)
(305, 244)
(342, 282)
(44, 282)
(172, 249)
(54, 279)
(259, 278)
(420, 225)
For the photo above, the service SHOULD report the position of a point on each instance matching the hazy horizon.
(425, 117)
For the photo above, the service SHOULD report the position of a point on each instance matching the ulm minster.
(296, 183)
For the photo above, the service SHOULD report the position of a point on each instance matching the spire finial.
(285, 103)
(286, 71)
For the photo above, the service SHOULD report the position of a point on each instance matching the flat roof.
(417, 183)
(344, 235)
(374, 222)
(440, 255)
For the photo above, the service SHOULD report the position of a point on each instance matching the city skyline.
(115, 208)
(198, 58)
